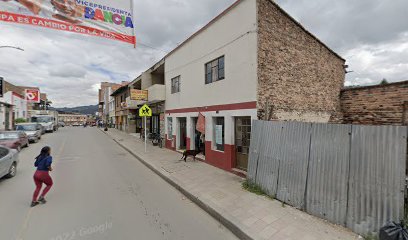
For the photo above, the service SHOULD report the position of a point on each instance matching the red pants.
(41, 177)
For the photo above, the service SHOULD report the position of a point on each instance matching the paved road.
(100, 192)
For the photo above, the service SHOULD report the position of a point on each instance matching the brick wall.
(8, 87)
(299, 78)
(376, 105)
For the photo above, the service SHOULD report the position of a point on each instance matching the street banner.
(32, 95)
(201, 123)
(139, 95)
(101, 18)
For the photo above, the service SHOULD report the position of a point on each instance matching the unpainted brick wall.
(376, 105)
(299, 78)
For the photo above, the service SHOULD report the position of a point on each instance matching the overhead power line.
(148, 46)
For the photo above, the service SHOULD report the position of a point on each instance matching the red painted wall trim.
(18, 95)
(225, 107)
(223, 160)
(169, 143)
(188, 147)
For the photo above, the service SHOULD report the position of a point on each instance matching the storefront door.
(7, 120)
(242, 141)
(139, 125)
(182, 133)
(195, 140)
(155, 128)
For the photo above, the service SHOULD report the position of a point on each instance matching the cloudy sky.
(372, 35)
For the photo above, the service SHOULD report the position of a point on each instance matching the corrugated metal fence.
(348, 174)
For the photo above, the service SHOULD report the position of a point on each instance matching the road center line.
(24, 227)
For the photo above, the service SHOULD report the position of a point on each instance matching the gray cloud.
(67, 70)
(347, 23)
(369, 34)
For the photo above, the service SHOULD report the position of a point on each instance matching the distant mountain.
(88, 110)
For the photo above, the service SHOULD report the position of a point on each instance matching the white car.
(8, 162)
(33, 131)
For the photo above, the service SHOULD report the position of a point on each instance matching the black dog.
(187, 153)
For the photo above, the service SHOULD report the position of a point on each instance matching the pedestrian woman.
(43, 164)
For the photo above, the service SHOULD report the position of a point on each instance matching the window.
(169, 128)
(175, 85)
(219, 129)
(215, 70)
(3, 152)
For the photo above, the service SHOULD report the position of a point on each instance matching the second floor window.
(175, 85)
(215, 70)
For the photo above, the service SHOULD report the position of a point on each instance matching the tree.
(384, 82)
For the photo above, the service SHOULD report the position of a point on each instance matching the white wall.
(20, 104)
(3, 117)
(112, 112)
(220, 38)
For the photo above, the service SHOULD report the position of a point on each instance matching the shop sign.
(139, 95)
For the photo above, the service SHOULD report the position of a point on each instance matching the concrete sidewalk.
(220, 194)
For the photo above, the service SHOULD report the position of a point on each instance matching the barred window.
(215, 70)
(175, 85)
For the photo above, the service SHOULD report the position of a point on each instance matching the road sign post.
(1, 86)
(145, 134)
(145, 112)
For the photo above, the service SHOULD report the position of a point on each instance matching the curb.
(218, 216)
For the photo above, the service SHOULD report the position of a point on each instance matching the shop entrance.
(182, 133)
(196, 141)
(155, 128)
(7, 120)
(242, 141)
(139, 125)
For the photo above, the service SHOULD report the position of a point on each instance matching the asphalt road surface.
(100, 192)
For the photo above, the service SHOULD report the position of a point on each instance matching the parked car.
(33, 131)
(61, 124)
(15, 140)
(8, 162)
(42, 129)
(76, 124)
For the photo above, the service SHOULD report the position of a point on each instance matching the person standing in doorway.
(202, 141)
(42, 176)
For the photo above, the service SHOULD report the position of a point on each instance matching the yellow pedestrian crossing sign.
(145, 111)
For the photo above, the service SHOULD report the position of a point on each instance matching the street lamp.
(12, 47)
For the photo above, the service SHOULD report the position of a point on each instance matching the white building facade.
(19, 104)
(214, 73)
(111, 108)
(6, 116)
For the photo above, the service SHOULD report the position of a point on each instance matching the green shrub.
(371, 237)
(20, 120)
(253, 188)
